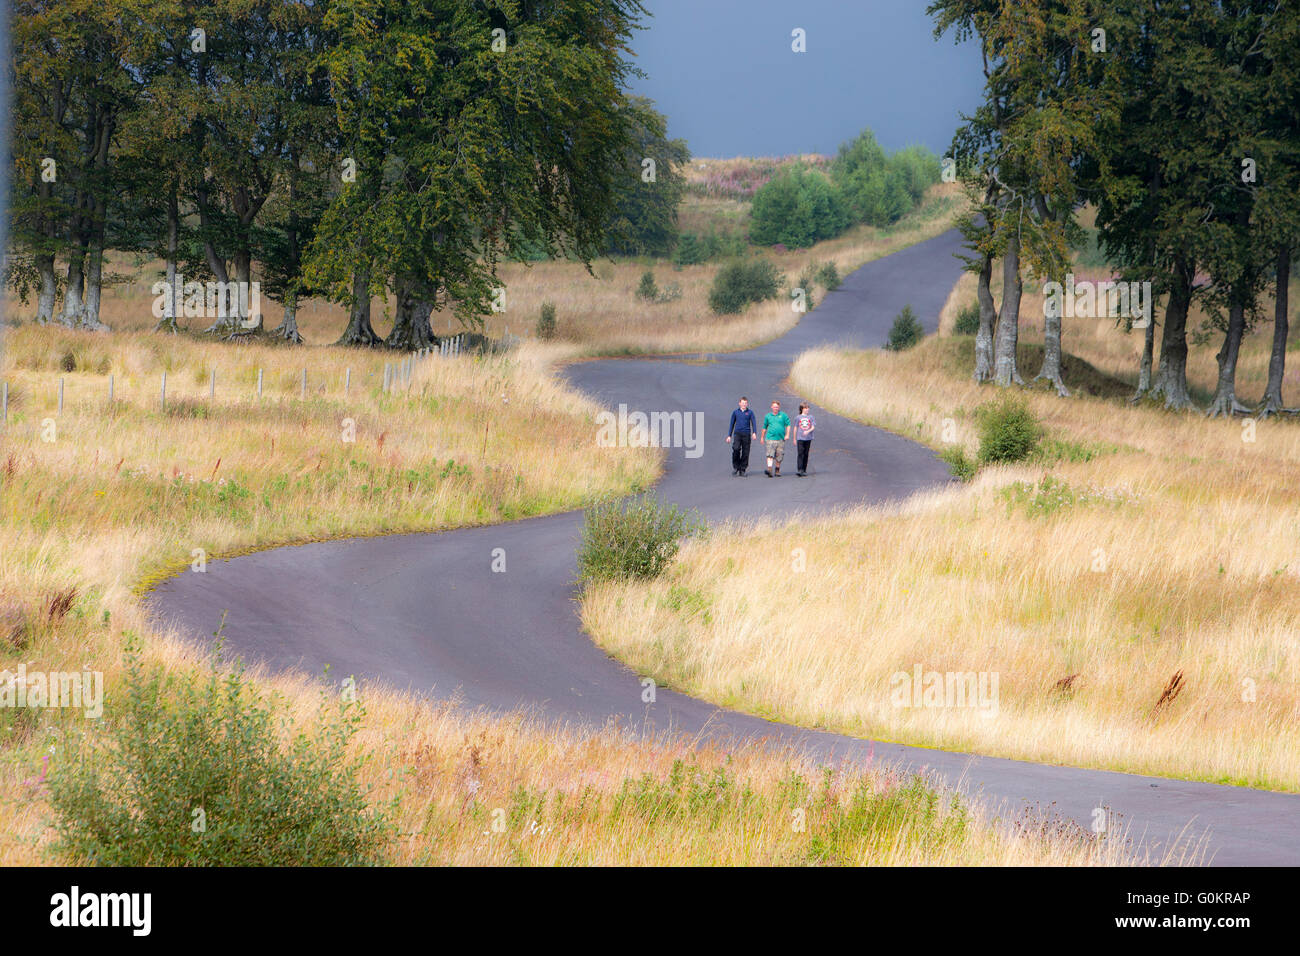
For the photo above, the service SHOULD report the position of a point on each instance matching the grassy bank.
(1131, 586)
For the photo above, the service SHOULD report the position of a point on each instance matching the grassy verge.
(100, 498)
(1131, 588)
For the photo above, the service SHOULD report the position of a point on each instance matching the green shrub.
(688, 251)
(905, 332)
(797, 208)
(962, 467)
(633, 538)
(647, 289)
(1008, 430)
(878, 189)
(546, 322)
(739, 284)
(195, 772)
(829, 276)
(968, 320)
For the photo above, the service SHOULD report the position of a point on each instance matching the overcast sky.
(724, 74)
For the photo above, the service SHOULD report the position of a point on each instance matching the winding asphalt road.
(425, 612)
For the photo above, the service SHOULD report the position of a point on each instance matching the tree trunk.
(288, 329)
(359, 330)
(94, 280)
(1171, 376)
(1272, 403)
(49, 289)
(172, 305)
(72, 305)
(411, 329)
(1148, 354)
(988, 315)
(1051, 370)
(1008, 331)
(98, 209)
(1225, 394)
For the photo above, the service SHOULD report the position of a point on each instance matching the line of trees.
(334, 148)
(1178, 122)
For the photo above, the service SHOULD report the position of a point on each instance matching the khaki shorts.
(775, 449)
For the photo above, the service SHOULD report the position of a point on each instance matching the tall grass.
(1158, 544)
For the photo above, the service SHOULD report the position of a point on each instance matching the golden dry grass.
(123, 493)
(1174, 551)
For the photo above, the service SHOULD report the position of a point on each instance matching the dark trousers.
(740, 451)
(804, 448)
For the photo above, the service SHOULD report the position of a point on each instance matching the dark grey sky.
(724, 74)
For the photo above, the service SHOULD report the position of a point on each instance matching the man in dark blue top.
(743, 428)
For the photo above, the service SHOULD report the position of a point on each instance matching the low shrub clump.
(741, 284)
(905, 332)
(1008, 431)
(829, 276)
(634, 538)
(204, 773)
(546, 321)
(968, 320)
(647, 289)
(962, 467)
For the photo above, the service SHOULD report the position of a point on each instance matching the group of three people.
(776, 432)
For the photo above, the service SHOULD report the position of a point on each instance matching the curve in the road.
(425, 612)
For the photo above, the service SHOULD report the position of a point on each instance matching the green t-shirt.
(774, 426)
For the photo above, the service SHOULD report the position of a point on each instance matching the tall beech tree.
(71, 89)
(1277, 199)
(644, 221)
(478, 132)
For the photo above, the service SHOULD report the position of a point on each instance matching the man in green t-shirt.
(776, 429)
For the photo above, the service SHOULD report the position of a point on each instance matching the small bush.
(962, 467)
(1008, 431)
(905, 332)
(968, 320)
(740, 284)
(130, 794)
(688, 251)
(546, 322)
(829, 276)
(647, 289)
(68, 363)
(634, 538)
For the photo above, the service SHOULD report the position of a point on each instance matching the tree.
(986, 167)
(72, 87)
(645, 208)
(797, 208)
(1277, 200)
(478, 133)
